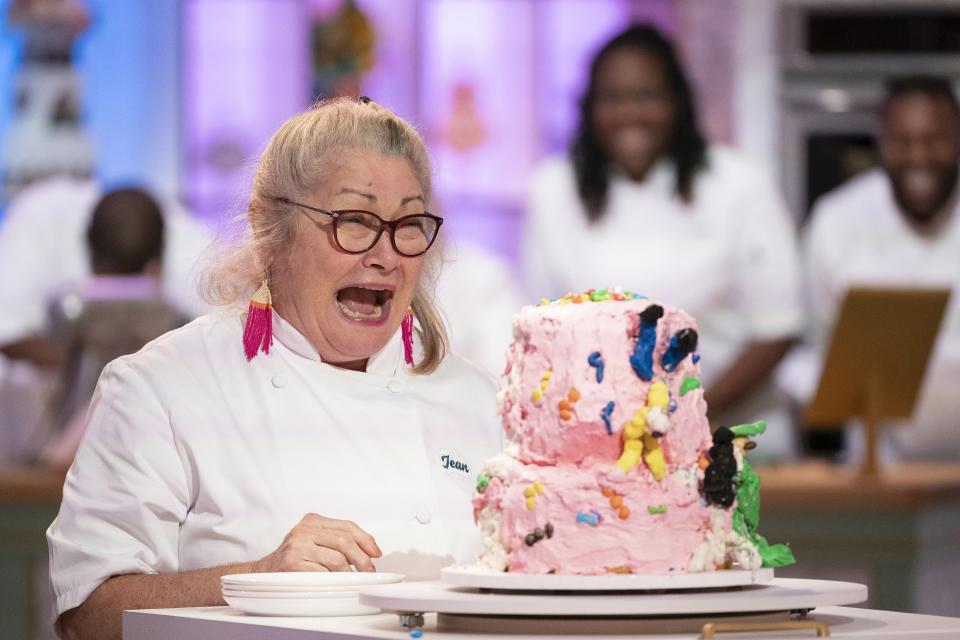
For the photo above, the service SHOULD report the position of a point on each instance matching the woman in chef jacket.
(320, 426)
(651, 207)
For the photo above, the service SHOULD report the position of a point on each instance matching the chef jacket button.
(395, 385)
(423, 516)
(278, 381)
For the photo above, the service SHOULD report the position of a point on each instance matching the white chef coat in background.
(858, 236)
(478, 296)
(729, 259)
(195, 458)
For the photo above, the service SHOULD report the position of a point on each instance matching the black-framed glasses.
(357, 231)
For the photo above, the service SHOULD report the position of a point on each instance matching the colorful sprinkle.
(530, 539)
(530, 492)
(672, 406)
(548, 529)
(594, 295)
(565, 415)
(483, 481)
(537, 395)
(616, 502)
(605, 414)
(573, 395)
(600, 295)
(681, 344)
(642, 358)
(564, 405)
(592, 518)
(623, 513)
(620, 570)
(657, 509)
(688, 385)
(606, 491)
(596, 360)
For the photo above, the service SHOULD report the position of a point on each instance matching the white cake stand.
(411, 600)
(480, 578)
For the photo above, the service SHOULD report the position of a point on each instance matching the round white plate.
(301, 606)
(480, 578)
(313, 581)
(783, 594)
(289, 594)
(292, 589)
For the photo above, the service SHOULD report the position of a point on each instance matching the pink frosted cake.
(610, 465)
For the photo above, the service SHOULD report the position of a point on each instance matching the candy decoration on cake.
(681, 344)
(544, 383)
(718, 480)
(592, 518)
(688, 385)
(596, 360)
(746, 515)
(603, 410)
(605, 415)
(641, 435)
(642, 358)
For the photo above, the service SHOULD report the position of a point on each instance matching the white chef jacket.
(729, 258)
(858, 236)
(43, 252)
(478, 296)
(195, 458)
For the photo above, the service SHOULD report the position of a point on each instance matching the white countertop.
(226, 623)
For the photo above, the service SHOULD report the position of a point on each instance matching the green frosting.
(483, 481)
(654, 510)
(773, 555)
(688, 385)
(746, 515)
(753, 429)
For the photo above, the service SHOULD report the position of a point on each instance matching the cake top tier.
(588, 374)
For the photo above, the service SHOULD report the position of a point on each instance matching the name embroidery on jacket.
(450, 463)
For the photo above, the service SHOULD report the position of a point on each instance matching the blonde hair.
(296, 160)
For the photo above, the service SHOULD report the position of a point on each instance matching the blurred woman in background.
(642, 201)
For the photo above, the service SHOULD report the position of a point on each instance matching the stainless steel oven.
(835, 57)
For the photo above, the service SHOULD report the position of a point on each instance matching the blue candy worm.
(596, 360)
(681, 344)
(605, 414)
(642, 358)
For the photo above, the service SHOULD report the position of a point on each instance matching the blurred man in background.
(43, 254)
(114, 313)
(899, 226)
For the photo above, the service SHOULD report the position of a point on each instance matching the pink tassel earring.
(258, 331)
(406, 331)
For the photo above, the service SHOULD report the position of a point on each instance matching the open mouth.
(364, 303)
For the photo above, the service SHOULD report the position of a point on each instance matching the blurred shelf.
(30, 485)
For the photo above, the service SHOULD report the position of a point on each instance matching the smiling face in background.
(350, 305)
(920, 144)
(633, 109)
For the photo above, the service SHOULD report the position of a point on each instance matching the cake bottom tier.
(571, 520)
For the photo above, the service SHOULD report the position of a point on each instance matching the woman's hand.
(322, 544)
